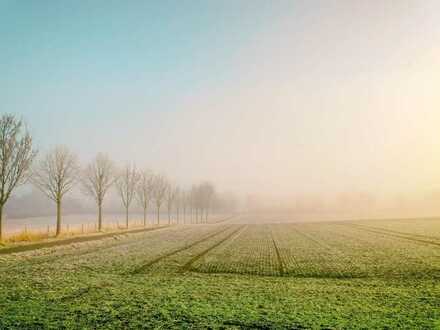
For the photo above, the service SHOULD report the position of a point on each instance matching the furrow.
(188, 265)
(277, 251)
(145, 266)
(387, 233)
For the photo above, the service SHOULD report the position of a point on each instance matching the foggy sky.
(278, 98)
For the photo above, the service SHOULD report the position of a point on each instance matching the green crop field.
(240, 274)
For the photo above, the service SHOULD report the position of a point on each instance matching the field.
(245, 273)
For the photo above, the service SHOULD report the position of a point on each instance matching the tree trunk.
(158, 214)
(197, 215)
(58, 231)
(99, 216)
(1, 222)
(169, 216)
(145, 216)
(126, 217)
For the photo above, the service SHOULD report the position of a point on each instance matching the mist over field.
(289, 101)
(222, 164)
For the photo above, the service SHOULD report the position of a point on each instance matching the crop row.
(176, 259)
(117, 256)
(351, 252)
(300, 250)
(425, 227)
(250, 252)
(321, 250)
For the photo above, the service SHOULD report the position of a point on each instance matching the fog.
(330, 109)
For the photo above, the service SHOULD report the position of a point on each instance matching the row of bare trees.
(58, 171)
(192, 204)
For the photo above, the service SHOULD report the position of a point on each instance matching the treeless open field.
(246, 272)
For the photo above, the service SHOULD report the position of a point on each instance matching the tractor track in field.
(186, 267)
(41, 260)
(411, 235)
(425, 240)
(292, 257)
(144, 267)
(281, 267)
(372, 245)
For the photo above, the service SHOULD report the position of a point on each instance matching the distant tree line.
(58, 171)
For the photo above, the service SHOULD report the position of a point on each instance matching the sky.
(273, 97)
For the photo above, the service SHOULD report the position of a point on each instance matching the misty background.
(311, 107)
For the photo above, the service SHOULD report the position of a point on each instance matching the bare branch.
(144, 190)
(126, 183)
(56, 174)
(98, 177)
(160, 186)
(16, 155)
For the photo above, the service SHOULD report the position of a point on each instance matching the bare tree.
(144, 191)
(160, 186)
(178, 202)
(201, 196)
(126, 183)
(198, 202)
(170, 198)
(193, 203)
(207, 192)
(16, 156)
(55, 175)
(184, 201)
(97, 178)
